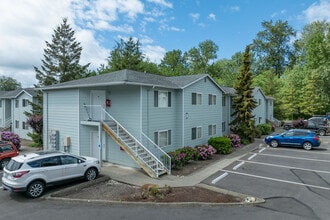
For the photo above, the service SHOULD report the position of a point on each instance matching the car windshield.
(13, 165)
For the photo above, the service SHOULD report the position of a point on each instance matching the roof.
(15, 93)
(131, 77)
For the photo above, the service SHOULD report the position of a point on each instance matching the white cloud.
(212, 17)
(318, 11)
(162, 2)
(195, 16)
(154, 53)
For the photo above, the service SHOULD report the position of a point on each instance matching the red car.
(7, 151)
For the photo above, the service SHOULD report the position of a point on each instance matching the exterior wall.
(5, 112)
(202, 115)
(270, 109)
(226, 115)
(61, 113)
(260, 111)
(19, 118)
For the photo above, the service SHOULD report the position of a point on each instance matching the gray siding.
(260, 111)
(61, 113)
(202, 115)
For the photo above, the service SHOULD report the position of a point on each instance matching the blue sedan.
(294, 138)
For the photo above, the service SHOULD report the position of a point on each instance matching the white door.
(97, 99)
(96, 148)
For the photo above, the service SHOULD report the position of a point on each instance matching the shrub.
(177, 159)
(235, 140)
(265, 128)
(221, 144)
(205, 151)
(190, 153)
(12, 137)
(258, 132)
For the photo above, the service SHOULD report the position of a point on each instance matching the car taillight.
(19, 174)
(316, 138)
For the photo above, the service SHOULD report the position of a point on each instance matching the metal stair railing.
(151, 155)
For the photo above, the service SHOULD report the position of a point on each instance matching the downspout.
(141, 109)
(183, 118)
(47, 130)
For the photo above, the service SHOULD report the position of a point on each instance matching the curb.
(245, 199)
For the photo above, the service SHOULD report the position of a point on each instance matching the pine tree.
(243, 103)
(60, 64)
(61, 58)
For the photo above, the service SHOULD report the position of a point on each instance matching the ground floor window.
(163, 138)
(212, 130)
(196, 132)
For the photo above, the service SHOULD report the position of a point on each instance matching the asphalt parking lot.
(291, 180)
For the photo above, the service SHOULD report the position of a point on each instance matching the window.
(260, 120)
(259, 101)
(69, 160)
(50, 161)
(25, 125)
(25, 102)
(223, 124)
(212, 99)
(16, 103)
(196, 99)
(212, 130)
(163, 138)
(196, 133)
(16, 124)
(223, 100)
(0, 103)
(162, 99)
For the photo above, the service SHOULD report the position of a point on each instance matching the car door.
(74, 167)
(52, 169)
(287, 138)
(299, 138)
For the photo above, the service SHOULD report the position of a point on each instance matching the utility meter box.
(67, 141)
(54, 140)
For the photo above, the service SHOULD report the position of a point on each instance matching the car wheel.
(35, 189)
(321, 132)
(91, 174)
(4, 162)
(307, 146)
(273, 143)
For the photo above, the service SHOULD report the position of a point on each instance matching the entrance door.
(97, 100)
(95, 148)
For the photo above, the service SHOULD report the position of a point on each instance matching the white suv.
(33, 172)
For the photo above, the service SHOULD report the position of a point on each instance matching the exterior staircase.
(150, 157)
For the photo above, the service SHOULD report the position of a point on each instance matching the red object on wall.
(108, 102)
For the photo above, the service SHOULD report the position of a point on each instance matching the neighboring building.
(13, 104)
(132, 118)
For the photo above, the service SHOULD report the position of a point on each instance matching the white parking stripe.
(238, 165)
(292, 150)
(262, 149)
(298, 158)
(289, 167)
(219, 178)
(251, 157)
(277, 180)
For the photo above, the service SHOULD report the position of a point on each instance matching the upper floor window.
(16, 103)
(162, 138)
(212, 99)
(196, 133)
(16, 124)
(0, 103)
(25, 102)
(223, 100)
(196, 99)
(162, 99)
(259, 101)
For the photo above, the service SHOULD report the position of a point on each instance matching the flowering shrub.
(177, 159)
(14, 138)
(235, 140)
(205, 151)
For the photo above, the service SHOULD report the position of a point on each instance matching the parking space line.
(238, 165)
(299, 158)
(291, 150)
(262, 149)
(277, 180)
(251, 157)
(219, 178)
(289, 167)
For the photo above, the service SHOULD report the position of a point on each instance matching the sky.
(159, 25)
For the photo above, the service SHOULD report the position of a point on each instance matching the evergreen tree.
(126, 55)
(244, 103)
(60, 64)
(8, 83)
(61, 58)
